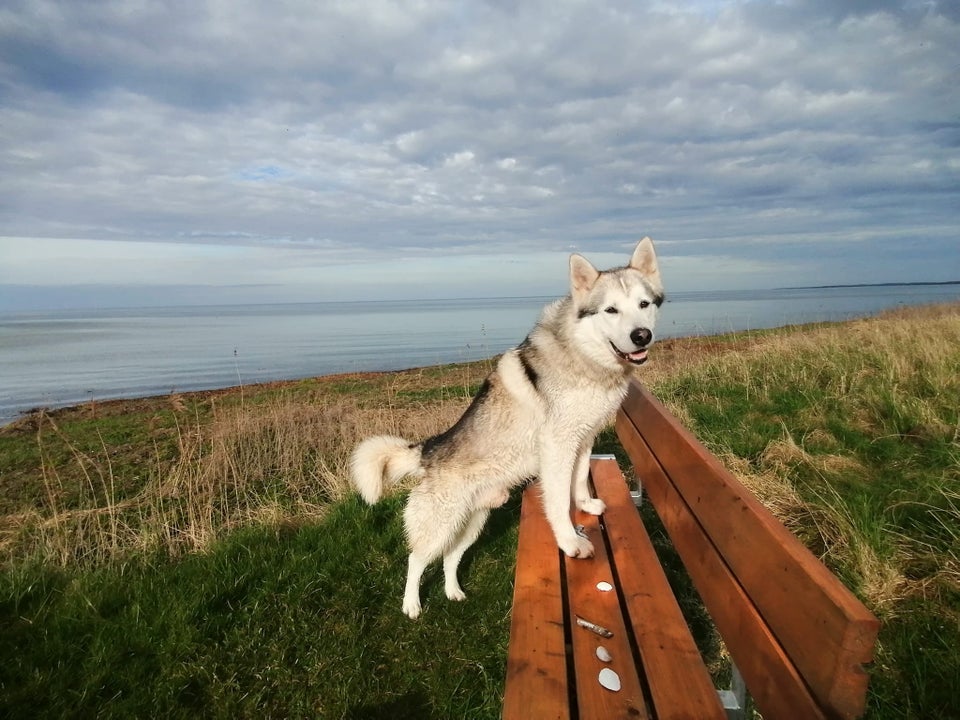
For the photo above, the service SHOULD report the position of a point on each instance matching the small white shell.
(610, 680)
(604, 586)
(604, 654)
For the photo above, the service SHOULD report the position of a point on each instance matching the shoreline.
(662, 349)
(700, 343)
(88, 358)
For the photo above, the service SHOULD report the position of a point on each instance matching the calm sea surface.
(64, 358)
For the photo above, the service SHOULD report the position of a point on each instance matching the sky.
(195, 151)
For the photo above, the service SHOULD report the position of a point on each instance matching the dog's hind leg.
(452, 557)
(432, 528)
(416, 564)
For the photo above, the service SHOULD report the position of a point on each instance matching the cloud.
(766, 138)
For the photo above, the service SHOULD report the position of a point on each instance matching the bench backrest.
(799, 637)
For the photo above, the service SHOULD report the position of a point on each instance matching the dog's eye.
(611, 309)
(644, 304)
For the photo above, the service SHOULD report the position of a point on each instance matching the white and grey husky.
(536, 414)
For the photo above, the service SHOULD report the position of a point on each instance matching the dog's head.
(617, 309)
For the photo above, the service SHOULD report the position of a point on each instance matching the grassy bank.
(202, 554)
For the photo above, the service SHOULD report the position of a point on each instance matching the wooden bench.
(797, 635)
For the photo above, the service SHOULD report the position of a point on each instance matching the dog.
(537, 414)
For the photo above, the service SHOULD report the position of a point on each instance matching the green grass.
(281, 622)
(201, 556)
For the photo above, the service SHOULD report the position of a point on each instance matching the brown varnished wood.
(680, 686)
(777, 688)
(536, 684)
(826, 633)
(600, 608)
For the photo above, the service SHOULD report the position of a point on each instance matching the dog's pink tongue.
(642, 355)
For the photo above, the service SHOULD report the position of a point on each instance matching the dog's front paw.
(577, 547)
(594, 506)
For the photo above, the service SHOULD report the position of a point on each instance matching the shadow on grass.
(412, 706)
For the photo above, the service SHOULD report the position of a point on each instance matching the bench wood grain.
(799, 636)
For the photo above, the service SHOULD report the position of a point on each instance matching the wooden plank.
(775, 684)
(824, 628)
(602, 608)
(679, 683)
(536, 684)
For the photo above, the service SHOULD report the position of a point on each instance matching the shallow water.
(63, 358)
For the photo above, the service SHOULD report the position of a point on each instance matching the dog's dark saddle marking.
(435, 443)
(528, 368)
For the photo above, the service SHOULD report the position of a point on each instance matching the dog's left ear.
(644, 259)
(583, 276)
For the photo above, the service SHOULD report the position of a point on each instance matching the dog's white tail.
(382, 461)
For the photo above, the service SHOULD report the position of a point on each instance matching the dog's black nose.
(641, 337)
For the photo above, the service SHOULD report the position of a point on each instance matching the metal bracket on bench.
(734, 700)
(637, 495)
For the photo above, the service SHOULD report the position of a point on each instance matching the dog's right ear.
(644, 259)
(583, 276)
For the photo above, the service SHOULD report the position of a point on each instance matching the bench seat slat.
(600, 608)
(669, 672)
(536, 684)
(679, 684)
(825, 630)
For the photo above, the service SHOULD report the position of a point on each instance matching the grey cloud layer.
(757, 130)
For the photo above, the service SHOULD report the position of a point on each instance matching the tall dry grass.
(282, 460)
(814, 422)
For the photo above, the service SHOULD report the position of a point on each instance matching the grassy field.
(201, 554)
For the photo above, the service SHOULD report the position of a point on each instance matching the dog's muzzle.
(640, 337)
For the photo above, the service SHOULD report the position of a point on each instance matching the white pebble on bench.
(610, 680)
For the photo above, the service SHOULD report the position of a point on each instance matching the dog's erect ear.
(583, 275)
(644, 259)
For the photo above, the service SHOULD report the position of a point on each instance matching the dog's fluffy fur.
(536, 414)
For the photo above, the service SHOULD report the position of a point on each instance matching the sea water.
(52, 359)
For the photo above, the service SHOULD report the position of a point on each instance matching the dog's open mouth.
(636, 358)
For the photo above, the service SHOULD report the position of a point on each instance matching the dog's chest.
(589, 405)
